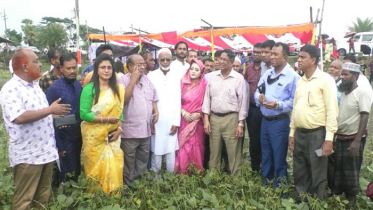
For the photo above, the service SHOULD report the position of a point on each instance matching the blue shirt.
(87, 70)
(282, 91)
(69, 94)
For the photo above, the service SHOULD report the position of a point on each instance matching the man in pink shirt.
(139, 112)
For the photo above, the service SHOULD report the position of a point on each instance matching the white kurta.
(169, 106)
(178, 68)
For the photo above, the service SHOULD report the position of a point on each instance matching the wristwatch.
(240, 124)
(277, 105)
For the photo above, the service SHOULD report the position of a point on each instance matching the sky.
(157, 16)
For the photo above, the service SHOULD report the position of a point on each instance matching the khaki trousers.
(32, 185)
(224, 129)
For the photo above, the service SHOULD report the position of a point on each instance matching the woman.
(191, 133)
(101, 106)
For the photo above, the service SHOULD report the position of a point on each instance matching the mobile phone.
(318, 152)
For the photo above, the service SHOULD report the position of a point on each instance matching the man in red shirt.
(352, 45)
(254, 119)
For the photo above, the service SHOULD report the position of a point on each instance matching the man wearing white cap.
(168, 90)
(352, 123)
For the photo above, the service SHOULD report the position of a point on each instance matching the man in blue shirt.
(68, 138)
(276, 102)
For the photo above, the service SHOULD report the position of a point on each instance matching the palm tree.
(361, 25)
(29, 31)
(51, 35)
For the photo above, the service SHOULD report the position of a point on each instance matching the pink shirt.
(31, 143)
(225, 95)
(137, 114)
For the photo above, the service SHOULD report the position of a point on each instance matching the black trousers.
(254, 122)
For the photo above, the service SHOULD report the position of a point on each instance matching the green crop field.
(212, 190)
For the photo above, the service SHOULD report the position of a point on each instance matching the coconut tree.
(361, 25)
(51, 35)
(29, 31)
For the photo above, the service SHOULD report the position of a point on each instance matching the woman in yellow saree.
(101, 106)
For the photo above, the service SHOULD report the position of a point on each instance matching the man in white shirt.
(167, 86)
(180, 64)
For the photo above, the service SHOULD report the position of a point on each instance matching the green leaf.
(192, 202)
(206, 196)
(61, 198)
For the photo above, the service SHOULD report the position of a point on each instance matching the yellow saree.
(103, 161)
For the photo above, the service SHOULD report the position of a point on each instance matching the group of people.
(188, 112)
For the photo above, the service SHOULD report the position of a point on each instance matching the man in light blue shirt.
(266, 55)
(276, 102)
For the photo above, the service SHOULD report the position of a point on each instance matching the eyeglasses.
(165, 59)
(140, 64)
(106, 68)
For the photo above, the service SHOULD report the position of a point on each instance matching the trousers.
(157, 162)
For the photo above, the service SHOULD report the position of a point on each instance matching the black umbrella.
(324, 36)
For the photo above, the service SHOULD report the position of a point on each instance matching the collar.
(284, 71)
(24, 82)
(231, 74)
(316, 74)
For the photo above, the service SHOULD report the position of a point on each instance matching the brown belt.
(223, 114)
(346, 137)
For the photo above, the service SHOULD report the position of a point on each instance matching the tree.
(361, 25)
(29, 31)
(51, 35)
(13, 36)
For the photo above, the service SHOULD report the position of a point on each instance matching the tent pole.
(103, 29)
(212, 38)
(320, 38)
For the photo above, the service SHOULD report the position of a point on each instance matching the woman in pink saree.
(191, 134)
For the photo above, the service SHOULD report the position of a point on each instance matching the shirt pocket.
(280, 90)
(232, 97)
(149, 94)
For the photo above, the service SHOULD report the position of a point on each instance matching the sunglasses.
(165, 59)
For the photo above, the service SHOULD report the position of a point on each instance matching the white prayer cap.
(163, 50)
(351, 67)
(237, 59)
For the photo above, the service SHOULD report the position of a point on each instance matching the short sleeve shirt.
(351, 106)
(31, 143)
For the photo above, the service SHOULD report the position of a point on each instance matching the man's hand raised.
(59, 109)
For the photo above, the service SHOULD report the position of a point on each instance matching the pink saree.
(191, 136)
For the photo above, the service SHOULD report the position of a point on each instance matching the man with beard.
(254, 119)
(139, 113)
(209, 65)
(276, 103)
(313, 124)
(167, 86)
(149, 60)
(49, 78)
(350, 138)
(68, 138)
(266, 48)
(335, 71)
(362, 82)
(180, 65)
(29, 123)
(192, 54)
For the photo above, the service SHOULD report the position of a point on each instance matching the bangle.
(240, 124)
(120, 128)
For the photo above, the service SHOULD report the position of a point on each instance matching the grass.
(212, 190)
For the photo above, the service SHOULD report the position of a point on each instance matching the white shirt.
(363, 82)
(264, 68)
(179, 68)
(10, 66)
(168, 89)
(31, 143)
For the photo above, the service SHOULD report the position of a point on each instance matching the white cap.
(351, 67)
(163, 50)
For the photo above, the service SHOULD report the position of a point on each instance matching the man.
(149, 60)
(276, 103)
(313, 124)
(167, 86)
(28, 121)
(254, 119)
(351, 45)
(352, 123)
(216, 65)
(209, 65)
(51, 76)
(68, 139)
(192, 54)
(266, 55)
(224, 109)
(237, 65)
(335, 71)
(104, 48)
(180, 65)
(139, 103)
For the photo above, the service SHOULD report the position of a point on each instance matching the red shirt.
(252, 76)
